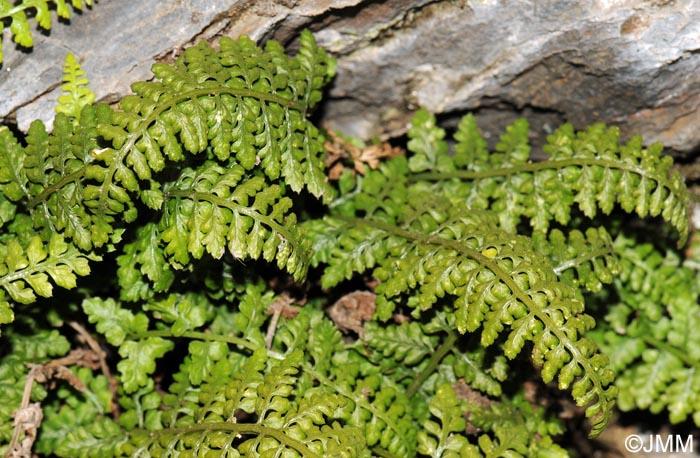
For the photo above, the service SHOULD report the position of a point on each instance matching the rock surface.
(626, 62)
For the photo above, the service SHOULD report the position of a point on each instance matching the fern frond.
(76, 94)
(445, 439)
(281, 423)
(102, 438)
(376, 405)
(586, 259)
(16, 12)
(404, 344)
(37, 347)
(651, 333)
(588, 168)
(245, 107)
(182, 312)
(498, 279)
(516, 429)
(126, 330)
(248, 104)
(143, 266)
(13, 183)
(80, 427)
(29, 269)
(212, 209)
(478, 368)
(57, 198)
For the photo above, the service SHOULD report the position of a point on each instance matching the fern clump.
(649, 332)
(239, 302)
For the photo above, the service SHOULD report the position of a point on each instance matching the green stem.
(535, 167)
(240, 428)
(198, 336)
(583, 258)
(678, 353)
(444, 349)
(44, 195)
(383, 453)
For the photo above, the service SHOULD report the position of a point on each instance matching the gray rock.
(630, 63)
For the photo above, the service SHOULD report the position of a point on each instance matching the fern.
(252, 113)
(425, 242)
(212, 210)
(282, 426)
(498, 280)
(41, 10)
(650, 334)
(76, 95)
(587, 259)
(445, 439)
(196, 208)
(516, 429)
(70, 414)
(588, 168)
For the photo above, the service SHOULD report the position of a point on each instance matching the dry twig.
(90, 341)
(28, 417)
(281, 307)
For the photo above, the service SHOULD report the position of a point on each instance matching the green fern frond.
(182, 312)
(244, 107)
(12, 156)
(129, 332)
(28, 270)
(248, 104)
(16, 12)
(56, 196)
(405, 344)
(212, 209)
(279, 422)
(445, 439)
(35, 348)
(497, 278)
(478, 368)
(76, 94)
(516, 429)
(102, 438)
(376, 405)
(143, 266)
(651, 333)
(582, 259)
(588, 168)
(80, 428)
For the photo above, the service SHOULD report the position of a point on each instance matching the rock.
(628, 63)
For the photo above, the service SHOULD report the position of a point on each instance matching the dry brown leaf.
(338, 151)
(351, 311)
